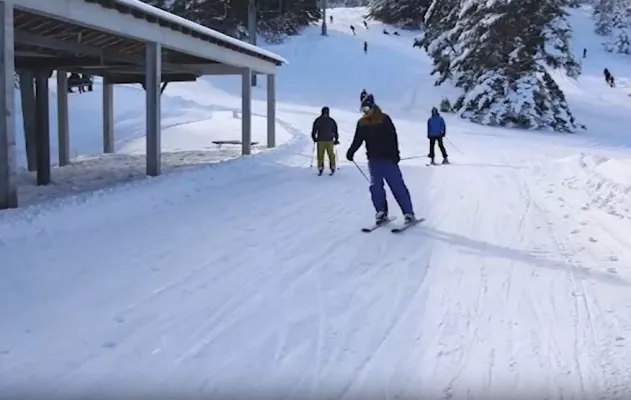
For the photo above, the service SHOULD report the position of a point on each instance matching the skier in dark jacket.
(325, 136)
(436, 131)
(607, 76)
(376, 129)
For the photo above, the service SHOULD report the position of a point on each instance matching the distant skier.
(325, 136)
(607, 76)
(366, 24)
(436, 130)
(331, 18)
(584, 53)
(365, 47)
(353, 30)
(376, 129)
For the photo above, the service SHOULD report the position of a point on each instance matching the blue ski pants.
(388, 171)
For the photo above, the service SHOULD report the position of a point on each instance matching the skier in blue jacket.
(436, 130)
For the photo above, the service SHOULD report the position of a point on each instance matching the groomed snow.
(250, 278)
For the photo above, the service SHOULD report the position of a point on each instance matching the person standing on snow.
(436, 130)
(325, 136)
(376, 129)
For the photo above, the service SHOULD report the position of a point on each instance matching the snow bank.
(593, 182)
(618, 171)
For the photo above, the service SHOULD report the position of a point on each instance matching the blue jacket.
(436, 127)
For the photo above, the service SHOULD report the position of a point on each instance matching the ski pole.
(411, 158)
(337, 159)
(361, 171)
(312, 155)
(452, 145)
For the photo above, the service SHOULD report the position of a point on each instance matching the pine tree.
(408, 13)
(620, 23)
(275, 18)
(499, 53)
(603, 16)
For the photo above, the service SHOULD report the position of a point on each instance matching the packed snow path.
(251, 278)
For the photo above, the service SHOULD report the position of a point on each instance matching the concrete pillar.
(108, 117)
(8, 185)
(271, 111)
(63, 132)
(153, 77)
(27, 98)
(246, 111)
(43, 128)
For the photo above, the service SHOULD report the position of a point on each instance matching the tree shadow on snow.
(480, 248)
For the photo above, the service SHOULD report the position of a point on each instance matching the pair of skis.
(398, 229)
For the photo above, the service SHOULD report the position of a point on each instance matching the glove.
(349, 156)
(336, 142)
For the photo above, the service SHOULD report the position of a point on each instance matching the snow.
(139, 5)
(189, 129)
(250, 279)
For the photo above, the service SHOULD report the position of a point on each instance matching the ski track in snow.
(252, 278)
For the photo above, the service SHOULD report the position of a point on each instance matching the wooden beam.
(246, 111)
(78, 48)
(63, 131)
(131, 79)
(43, 129)
(152, 91)
(8, 184)
(29, 117)
(271, 111)
(108, 116)
(54, 63)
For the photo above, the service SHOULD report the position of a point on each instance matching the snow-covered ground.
(251, 278)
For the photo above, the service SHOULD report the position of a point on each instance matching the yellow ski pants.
(329, 148)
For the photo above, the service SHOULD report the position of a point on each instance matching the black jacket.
(324, 129)
(380, 135)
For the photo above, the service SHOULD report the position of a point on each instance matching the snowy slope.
(252, 278)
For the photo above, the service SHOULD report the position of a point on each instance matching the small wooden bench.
(220, 143)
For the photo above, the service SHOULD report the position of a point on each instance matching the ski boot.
(320, 171)
(409, 218)
(445, 160)
(432, 162)
(381, 217)
(332, 171)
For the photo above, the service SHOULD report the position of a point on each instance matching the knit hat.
(368, 103)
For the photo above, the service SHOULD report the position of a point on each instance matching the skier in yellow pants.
(325, 136)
